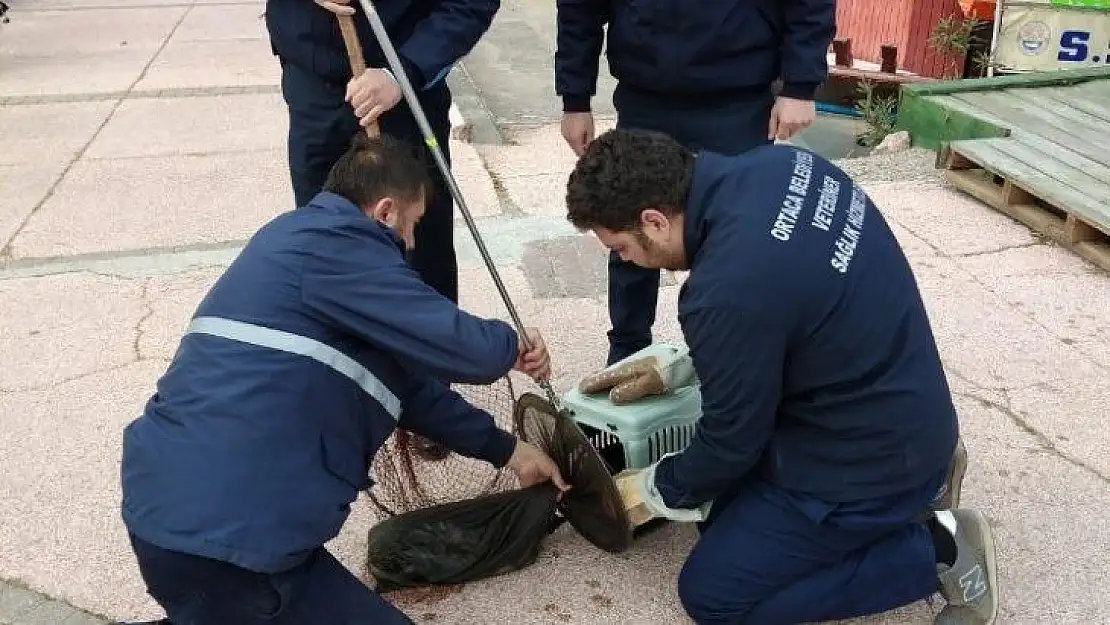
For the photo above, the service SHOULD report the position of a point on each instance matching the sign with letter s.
(1051, 34)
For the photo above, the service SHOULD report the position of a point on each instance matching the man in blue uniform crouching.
(825, 468)
(316, 343)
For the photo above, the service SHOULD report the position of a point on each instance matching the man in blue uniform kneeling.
(315, 344)
(824, 468)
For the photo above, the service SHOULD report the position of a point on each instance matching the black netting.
(412, 473)
(473, 538)
(593, 504)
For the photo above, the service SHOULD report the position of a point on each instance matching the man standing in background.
(328, 106)
(703, 73)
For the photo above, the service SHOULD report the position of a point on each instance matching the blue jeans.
(731, 126)
(199, 591)
(321, 126)
(767, 556)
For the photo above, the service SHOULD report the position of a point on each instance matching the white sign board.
(1045, 35)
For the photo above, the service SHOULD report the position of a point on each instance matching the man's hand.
(534, 362)
(533, 466)
(789, 117)
(339, 7)
(372, 94)
(578, 130)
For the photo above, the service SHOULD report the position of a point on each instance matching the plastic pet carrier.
(634, 435)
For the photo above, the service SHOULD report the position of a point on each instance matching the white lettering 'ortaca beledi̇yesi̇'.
(787, 218)
(845, 246)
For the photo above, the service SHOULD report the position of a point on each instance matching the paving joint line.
(504, 228)
(6, 248)
(141, 94)
(118, 7)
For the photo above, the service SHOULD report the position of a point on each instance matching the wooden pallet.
(1040, 209)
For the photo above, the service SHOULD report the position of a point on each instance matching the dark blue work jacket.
(818, 366)
(696, 50)
(429, 35)
(304, 356)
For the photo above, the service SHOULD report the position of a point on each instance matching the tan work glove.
(642, 501)
(661, 370)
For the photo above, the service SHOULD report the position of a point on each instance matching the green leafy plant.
(983, 62)
(952, 37)
(879, 112)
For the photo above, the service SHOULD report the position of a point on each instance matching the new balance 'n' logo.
(973, 584)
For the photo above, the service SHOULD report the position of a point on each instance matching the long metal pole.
(433, 144)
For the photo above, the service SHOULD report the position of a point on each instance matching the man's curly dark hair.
(623, 172)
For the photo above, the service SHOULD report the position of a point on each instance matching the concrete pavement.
(142, 141)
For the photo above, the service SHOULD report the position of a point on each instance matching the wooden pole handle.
(354, 54)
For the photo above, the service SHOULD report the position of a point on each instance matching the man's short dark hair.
(622, 173)
(376, 168)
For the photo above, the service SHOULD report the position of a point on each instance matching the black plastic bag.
(462, 541)
(495, 534)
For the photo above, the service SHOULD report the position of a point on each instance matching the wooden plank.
(1076, 231)
(1097, 90)
(1012, 204)
(1017, 100)
(931, 124)
(1066, 109)
(854, 73)
(1065, 198)
(971, 109)
(1078, 100)
(1032, 124)
(1062, 164)
(1029, 79)
(976, 185)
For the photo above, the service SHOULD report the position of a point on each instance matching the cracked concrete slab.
(43, 33)
(1056, 289)
(104, 72)
(38, 6)
(912, 245)
(220, 63)
(1047, 517)
(121, 204)
(60, 492)
(990, 342)
(66, 326)
(538, 194)
(561, 321)
(195, 125)
(49, 135)
(25, 187)
(223, 22)
(953, 223)
(474, 181)
(43, 57)
(1069, 419)
(171, 301)
(566, 267)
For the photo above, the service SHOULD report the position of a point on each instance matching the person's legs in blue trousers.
(729, 126)
(321, 127)
(201, 591)
(771, 557)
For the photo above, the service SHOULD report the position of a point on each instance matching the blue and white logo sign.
(1033, 38)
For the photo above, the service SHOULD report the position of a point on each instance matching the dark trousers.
(321, 126)
(768, 556)
(727, 127)
(200, 591)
